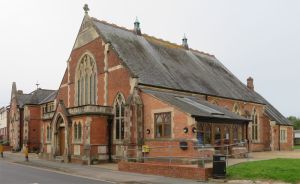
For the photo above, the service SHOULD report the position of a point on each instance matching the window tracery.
(119, 117)
(86, 81)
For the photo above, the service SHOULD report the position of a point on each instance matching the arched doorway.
(60, 137)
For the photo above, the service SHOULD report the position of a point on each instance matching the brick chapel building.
(25, 117)
(123, 89)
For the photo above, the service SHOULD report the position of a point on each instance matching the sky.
(257, 38)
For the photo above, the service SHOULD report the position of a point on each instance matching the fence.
(184, 154)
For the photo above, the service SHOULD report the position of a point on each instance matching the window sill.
(77, 142)
(118, 141)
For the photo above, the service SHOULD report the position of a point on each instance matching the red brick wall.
(99, 134)
(118, 80)
(34, 127)
(290, 138)
(175, 171)
(180, 119)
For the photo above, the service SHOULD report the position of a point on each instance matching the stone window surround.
(162, 110)
(83, 77)
(48, 134)
(74, 139)
(253, 115)
(283, 134)
(121, 99)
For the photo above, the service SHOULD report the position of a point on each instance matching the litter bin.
(219, 166)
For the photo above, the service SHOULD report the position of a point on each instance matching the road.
(11, 173)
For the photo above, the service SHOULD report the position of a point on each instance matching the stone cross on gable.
(37, 85)
(86, 8)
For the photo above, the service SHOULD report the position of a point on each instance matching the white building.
(3, 124)
(297, 137)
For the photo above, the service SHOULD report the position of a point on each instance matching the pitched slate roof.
(23, 99)
(195, 106)
(163, 64)
(36, 97)
(168, 65)
(49, 98)
(275, 115)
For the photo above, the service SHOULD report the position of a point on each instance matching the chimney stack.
(250, 84)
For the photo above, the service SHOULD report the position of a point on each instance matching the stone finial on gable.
(137, 28)
(86, 8)
(184, 42)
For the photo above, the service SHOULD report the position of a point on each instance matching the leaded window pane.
(75, 131)
(122, 128)
(217, 136)
(163, 124)
(78, 92)
(91, 90)
(117, 129)
(117, 110)
(86, 85)
(207, 136)
(79, 131)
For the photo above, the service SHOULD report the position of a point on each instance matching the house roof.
(195, 106)
(36, 97)
(274, 114)
(49, 98)
(163, 64)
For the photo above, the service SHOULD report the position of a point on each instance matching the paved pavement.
(95, 172)
(109, 173)
(11, 173)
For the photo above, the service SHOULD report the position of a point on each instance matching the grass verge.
(280, 169)
(296, 147)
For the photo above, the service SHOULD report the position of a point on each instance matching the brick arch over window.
(119, 109)
(86, 80)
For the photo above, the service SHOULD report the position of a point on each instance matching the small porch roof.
(198, 108)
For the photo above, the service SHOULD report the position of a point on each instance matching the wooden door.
(61, 140)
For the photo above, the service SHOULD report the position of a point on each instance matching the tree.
(295, 121)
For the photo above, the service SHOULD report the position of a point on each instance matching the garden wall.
(176, 171)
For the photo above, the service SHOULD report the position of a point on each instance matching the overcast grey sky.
(257, 38)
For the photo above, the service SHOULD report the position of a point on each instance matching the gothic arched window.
(48, 133)
(85, 85)
(119, 117)
(77, 132)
